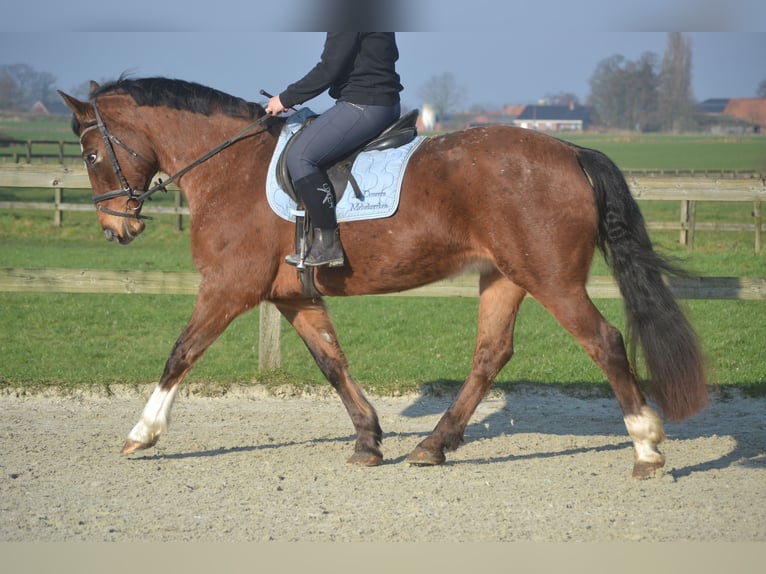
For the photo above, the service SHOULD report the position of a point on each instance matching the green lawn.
(680, 152)
(394, 343)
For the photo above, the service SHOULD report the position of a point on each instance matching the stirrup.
(299, 262)
(295, 260)
(302, 227)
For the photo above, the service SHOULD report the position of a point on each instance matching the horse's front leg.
(312, 322)
(213, 311)
(154, 420)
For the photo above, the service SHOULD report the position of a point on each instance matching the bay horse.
(526, 209)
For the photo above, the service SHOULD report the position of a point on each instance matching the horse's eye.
(90, 158)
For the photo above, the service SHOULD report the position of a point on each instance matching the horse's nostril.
(110, 235)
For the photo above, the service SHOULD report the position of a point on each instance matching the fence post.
(758, 222)
(270, 327)
(692, 222)
(29, 151)
(179, 203)
(58, 199)
(684, 235)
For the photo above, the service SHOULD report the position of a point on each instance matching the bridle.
(136, 198)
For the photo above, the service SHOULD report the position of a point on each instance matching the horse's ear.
(93, 87)
(78, 108)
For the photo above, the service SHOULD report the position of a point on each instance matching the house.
(39, 108)
(752, 110)
(733, 115)
(472, 119)
(547, 118)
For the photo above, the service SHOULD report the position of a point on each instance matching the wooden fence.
(691, 189)
(39, 150)
(270, 324)
(688, 189)
(59, 178)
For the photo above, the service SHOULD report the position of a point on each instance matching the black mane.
(181, 95)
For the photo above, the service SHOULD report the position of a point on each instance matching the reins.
(139, 197)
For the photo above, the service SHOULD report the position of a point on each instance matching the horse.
(525, 209)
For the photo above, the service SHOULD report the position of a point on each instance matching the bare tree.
(23, 86)
(623, 93)
(10, 95)
(675, 99)
(442, 93)
(761, 91)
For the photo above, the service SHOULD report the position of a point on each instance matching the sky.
(498, 51)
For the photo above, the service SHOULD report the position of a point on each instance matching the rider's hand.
(275, 106)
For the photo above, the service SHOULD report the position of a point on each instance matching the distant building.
(732, 115)
(428, 118)
(471, 119)
(571, 118)
(751, 110)
(39, 108)
(564, 118)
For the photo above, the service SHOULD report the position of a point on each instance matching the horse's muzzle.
(128, 234)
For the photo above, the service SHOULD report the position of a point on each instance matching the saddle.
(401, 132)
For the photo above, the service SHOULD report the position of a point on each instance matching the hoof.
(364, 459)
(642, 470)
(132, 446)
(423, 457)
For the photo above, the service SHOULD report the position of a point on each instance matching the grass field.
(40, 128)
(680, 152)
(394, 344)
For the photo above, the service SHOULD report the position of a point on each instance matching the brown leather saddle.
(401, 132)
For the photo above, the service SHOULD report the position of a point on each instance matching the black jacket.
(357, 67)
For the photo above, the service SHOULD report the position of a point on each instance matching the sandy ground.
(538, 465)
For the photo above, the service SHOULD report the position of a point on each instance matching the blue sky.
(499, 51)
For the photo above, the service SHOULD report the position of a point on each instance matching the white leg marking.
(155, 418)
(646, 431)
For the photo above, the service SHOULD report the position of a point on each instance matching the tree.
(675, 99)
(9, 92)
(21, 86)
(761, 91)
(442, 93)
(624, 93)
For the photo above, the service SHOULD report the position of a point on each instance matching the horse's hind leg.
(312, 322)
(498, 307)
(605, 345)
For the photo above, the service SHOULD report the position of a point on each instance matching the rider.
(359, 70)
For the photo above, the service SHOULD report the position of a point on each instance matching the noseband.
(136, 198)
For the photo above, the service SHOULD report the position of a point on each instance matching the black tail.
(654, 319)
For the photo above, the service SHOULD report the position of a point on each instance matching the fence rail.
(28, 154)
(688, 189)
(269, 357)
(59, 178)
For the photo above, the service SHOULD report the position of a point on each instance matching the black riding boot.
(319, 200)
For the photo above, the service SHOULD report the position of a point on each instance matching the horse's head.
(117, 171)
